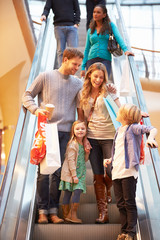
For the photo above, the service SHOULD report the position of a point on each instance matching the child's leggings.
(75, 198)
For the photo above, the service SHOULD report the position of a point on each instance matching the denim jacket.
(132, 142)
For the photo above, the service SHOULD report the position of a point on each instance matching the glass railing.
(18, 189)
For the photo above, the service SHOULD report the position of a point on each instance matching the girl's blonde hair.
(130, 113)
(87, 86)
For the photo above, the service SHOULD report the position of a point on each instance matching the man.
(90, 4)
(60, 88)
(66, 21)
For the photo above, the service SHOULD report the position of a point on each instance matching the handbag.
(52, 160)
(114, 47)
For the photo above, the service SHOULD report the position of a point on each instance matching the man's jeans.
(65, 35)
(48, 192)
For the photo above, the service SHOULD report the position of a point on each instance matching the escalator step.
(78, 232)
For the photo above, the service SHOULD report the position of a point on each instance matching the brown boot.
(55, 219)
(72, 215)
(42, 219)
(100, 191)
(108, 183)
(65, 209)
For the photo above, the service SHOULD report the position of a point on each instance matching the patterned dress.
(81, 174)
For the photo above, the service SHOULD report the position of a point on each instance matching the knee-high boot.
(108, 183)
(100, 191)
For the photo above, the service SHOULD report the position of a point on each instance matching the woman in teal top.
(97, 40)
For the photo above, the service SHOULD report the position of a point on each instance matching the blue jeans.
(65, 35)
(48, 192)
(107, 63)
(125, 194)
(101, 149)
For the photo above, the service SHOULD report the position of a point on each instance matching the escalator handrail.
(7, 178)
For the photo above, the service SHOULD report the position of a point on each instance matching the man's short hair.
(70, 53)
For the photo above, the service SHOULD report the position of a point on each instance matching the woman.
(90, 4)
(97, 40)
(100, 132)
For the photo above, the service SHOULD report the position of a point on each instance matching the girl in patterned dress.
(73, 175)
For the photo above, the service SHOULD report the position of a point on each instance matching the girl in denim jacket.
(125, 164)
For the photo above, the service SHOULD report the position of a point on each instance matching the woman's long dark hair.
(105, 24)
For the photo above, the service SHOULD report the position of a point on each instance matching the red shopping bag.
(38, 150)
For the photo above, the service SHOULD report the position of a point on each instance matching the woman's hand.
(83, 73)
(106, 162)
(129, 53)
(87, 149)
(75, 179)
(111, 88)
(87, 145)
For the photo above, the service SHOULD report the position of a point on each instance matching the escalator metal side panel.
(14, 201)
(26, 218)
(5, 187)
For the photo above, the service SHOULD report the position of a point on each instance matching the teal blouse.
(96, 45)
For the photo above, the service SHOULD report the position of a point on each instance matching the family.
(92, 136)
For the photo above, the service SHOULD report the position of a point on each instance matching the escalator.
(18, 191)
